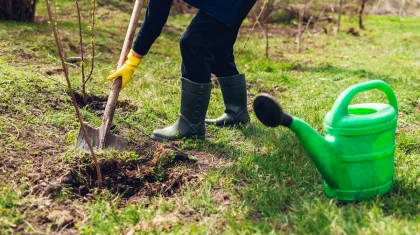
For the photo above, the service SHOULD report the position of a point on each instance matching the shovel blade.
(116, 142)
(93, 136)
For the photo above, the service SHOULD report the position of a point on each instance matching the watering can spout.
(356, 156)
(319, 149)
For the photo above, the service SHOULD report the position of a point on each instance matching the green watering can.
(356, 156)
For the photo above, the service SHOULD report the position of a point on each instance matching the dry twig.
(92, 42)
(81, 52)
(85, 79)
(299, 39)
(66, 73)
(339, 15)
(252, 30)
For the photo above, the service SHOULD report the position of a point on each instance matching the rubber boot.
(195, 99)
(235, 98)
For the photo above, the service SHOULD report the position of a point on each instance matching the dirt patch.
(415, 104)
(353, 31)
(54, 71)
(215, 81)
(159, 169)
(221, 197)
(156, 169)
(96, 104)
(274, 91)
(3, 108)
(25, 55)
(47, 215)
(93, 100)
(32, 156)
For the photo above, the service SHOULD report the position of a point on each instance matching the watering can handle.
(340, 107)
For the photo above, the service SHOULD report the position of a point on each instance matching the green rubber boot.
(235, 99)
(195, 99)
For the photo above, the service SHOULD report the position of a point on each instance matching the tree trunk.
(362, 8)
(18, 10)
(339, 15)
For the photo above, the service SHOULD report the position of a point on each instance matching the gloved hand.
(126, 71)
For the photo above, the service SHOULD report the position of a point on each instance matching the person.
(206, 48)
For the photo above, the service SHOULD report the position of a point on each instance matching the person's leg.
(223, 64)
(232, 84)
(205, 32)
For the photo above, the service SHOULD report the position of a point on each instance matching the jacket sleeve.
(156, 16)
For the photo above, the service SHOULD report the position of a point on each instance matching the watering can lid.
(362, 118)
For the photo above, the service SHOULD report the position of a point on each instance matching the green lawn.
(249, 180)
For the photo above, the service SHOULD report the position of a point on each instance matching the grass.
(265, 183)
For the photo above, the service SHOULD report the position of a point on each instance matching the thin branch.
(66, 73)
(259, 25)
(301, 33)
(317, 17)
(81, 52)
(93, 43)
(307, 27)
(266, 30)
(69, 59)
(339, 15)
(103, 69)
(81, 40)
(299, 39)
(252, 30)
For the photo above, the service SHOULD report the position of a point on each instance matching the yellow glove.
(126, 71)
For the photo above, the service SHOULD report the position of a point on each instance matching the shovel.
(102, 138)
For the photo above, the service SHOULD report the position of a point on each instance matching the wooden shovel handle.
(130, 32)
(116, 86)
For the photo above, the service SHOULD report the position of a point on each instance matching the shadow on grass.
(342, 72)
(280, 178)
(401, 202)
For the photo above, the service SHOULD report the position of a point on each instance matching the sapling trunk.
(92, 42)
(362, 8)
(81, 53)
(339, 15)
(66, 74)
(85, 79)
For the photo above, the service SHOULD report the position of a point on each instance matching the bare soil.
(160, 169)
(96, 104)
(276, 90)
(38, 164)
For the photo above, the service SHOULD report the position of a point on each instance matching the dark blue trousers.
(207, 46)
